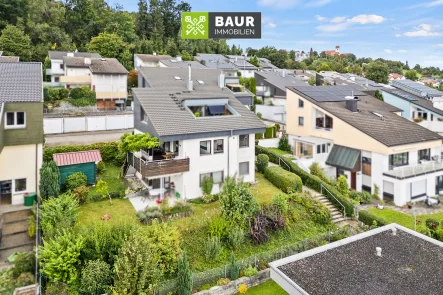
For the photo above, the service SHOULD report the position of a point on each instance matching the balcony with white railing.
(427, 167)
(83, 80)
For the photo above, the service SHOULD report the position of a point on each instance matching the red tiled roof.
(64, 159)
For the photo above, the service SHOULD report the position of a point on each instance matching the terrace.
(416, 170)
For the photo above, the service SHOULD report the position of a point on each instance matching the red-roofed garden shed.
(84, 161)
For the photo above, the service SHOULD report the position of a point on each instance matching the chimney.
(378, 250)
(394, 231)
(283, 73)
(87, 61)
(179, 58)
(352, 103)
(70, 54)
(221, 80)
(189, 84)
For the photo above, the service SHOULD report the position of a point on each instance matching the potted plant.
(409, 205)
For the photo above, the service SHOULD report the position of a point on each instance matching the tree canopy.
(137, 142)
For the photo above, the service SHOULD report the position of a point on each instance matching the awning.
(344, 157)
(216, 110)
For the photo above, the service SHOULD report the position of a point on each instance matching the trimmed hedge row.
(368, 218)
(310, 180)
(283, 179)
(271, 132)
(108, 150)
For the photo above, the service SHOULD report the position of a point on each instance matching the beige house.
(351, 133)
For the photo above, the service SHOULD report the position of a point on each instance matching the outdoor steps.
(16, 216)
(336, 215)
(4, 254)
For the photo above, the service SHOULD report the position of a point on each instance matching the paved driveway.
(84, 137)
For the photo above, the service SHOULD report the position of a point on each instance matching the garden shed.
(72, 162)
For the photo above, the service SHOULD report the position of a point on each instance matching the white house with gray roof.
(204, 128)
(149, 60)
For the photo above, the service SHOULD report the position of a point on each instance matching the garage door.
(418, 189)
(388, 190)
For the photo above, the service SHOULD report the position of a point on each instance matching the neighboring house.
(301, 55)
(395, 76)
(218, 61)
(332, 52)
(429, 82)
(243, 66)
(271, 89)
(4, 58)
(107, 77)
(21, 130)
(149, 60)
(179, 63)
(387, 260)
(356, 135)
(351, 80)
(420, 103)
(265, 64)
(204, 129)
(57, 66)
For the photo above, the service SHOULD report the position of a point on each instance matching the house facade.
(57, 68)
(21, 130)
(149, 60)
(204, 129)
(366, 140)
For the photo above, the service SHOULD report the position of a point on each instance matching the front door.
(6, 192)
(354, 180)
(439, 185)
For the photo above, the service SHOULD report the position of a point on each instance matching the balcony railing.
(416, 170)
(158, 168)
(76, 79)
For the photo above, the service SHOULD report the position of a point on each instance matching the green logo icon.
(195, 25)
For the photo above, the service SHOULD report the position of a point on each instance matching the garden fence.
(259, 260)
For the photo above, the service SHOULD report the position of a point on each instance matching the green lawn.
(112, 177)
(268, 288)
(403, 219)
(279, 152)
(264, 190)
(120, 210)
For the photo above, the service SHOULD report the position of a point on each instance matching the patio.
(148, 198)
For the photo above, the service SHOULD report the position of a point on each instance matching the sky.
(407, 30)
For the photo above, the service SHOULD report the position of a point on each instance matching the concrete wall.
(399, 103)
(88, 123)
(117, 84)
(269, 143)
(274, 113)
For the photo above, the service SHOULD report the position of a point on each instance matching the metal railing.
(324, 188)
(280, 160)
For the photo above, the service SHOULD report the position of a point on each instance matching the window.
(304, 150)
(56, 79)
(205, 147)
(424, 155)
(218, 146)
(301, 103)
(62, 66)
(301, 121)
(20, 185)
(216, 176)
(322, 148)
(398, 160)
(244, 140)
(243, 168)
(15, 119)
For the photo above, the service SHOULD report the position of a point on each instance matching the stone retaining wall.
(232, 287)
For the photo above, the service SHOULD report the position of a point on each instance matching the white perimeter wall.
(275, 113)
(110, 83)
(85, 123)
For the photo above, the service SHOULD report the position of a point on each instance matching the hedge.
(309, 180)
(284, 180)
(368, 218)
(271, 132)
(259, 136)
(108, 150)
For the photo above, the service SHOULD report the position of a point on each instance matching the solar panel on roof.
(406, 96)
(329, 93)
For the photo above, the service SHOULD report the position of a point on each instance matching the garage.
(418, 189)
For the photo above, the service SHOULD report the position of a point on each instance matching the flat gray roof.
(21, 82)
(61, 54)
(410, 264)
(152, 58)
(173, 63)
(276, 79)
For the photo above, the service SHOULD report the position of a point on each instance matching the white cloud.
(278, 4)
(388, 50)
(402, 51)
(333, 27)
(318, 3)
(366, 19)
(439, 45)
(321, 18)
(428, 4)
(423, 30)
(271, 25)
(338, 19)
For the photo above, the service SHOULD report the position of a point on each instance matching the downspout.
(229, 149)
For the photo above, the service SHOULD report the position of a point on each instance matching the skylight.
(378, 115)
(177, 78)
(173, 60)
(200, 82)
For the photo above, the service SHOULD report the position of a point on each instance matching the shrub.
(250, 271)
(281, 201)
(319, 212)
(283, 144)
(56, 94)
(207, 184)
(96, 277)
(236, 236)
(270, 131)
(262, 162)
(56, 289)
(342, 185)
(354, 196)
(237, 201)
(277, 126)
(184, 276)
(284, 180)
(368, 218)
(366, 197)
(26, 279)
(259, 136)
(223, 281)
(108, 150)
(259, 115)
(219, 227)
(432, 224)
(101, 167)
(257, 228)
(49, 180)
(242, 289)
(234, 268)
(376, 192)
(24, 262)
(316, 170)
(150, 213)
(213, 248)
(57, 214)
(310, 180)
(80, 193)
(75, 180)
(82, 96)
(64, 248)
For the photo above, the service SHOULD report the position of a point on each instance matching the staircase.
(14, 232)
(337, 216)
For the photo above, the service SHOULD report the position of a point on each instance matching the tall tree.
(108, 45)
(14, 42)
(411, 75)
(184, 276)
(11, 11)
(142, 20)
(377, 72)
(49, 180)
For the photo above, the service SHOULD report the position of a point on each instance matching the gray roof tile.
(21, 82)
(61, 54)
(152, 58)
(9, 59)
(173, 63)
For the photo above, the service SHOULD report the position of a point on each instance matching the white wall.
(77, 72)
(273, 113)
(87, 123)
(110, 83)
(139, 63)
(213, 163)
(247, 73)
